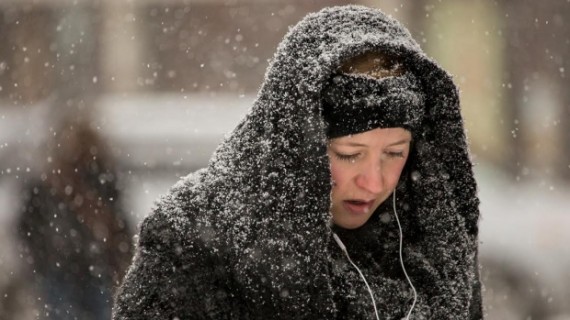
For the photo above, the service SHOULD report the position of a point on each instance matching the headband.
(354, 103)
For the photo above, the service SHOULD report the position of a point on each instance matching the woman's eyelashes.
(351, 157)
(395, 154)
(347, 157)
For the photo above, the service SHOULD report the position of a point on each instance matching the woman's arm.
(173, 276)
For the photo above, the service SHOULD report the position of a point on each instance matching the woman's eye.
(395, 154)
(347, 157)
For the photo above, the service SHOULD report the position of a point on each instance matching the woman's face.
(365, 169)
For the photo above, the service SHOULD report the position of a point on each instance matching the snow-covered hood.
(263, 201)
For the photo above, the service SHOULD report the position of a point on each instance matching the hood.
(263, 201)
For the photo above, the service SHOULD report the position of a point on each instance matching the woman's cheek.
(335, 174)
(397, 171)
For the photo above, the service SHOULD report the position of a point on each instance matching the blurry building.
(507, 56)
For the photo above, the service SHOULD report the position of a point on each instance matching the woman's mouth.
(357, 207)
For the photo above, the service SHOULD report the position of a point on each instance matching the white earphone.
(402, 259)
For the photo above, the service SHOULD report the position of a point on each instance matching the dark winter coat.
(247, 237)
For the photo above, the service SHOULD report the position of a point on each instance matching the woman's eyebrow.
(351, 144)
(357, 144)
(399, 142)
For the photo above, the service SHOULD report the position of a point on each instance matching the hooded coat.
(248, 237)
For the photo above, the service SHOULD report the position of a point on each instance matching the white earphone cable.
(343, 248)
(402, 259)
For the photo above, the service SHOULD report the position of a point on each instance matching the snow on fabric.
(248, 237)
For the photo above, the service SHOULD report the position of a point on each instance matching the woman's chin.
(349, 223)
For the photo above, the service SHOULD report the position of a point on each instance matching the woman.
(295, 215)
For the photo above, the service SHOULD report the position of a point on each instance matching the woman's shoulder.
(179, 219)
(179, 204)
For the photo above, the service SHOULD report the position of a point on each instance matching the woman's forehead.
(385, 135)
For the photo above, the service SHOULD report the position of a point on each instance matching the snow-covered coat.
(248, 237)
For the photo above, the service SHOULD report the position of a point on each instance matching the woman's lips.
(357, 207)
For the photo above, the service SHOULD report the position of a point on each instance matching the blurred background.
(104, 104)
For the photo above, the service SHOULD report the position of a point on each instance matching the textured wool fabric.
(248, 237)
(356, 103)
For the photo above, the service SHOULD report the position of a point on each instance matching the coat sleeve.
(173, 276)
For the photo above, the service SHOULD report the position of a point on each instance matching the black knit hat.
(354, 103)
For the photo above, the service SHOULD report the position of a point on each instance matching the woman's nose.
(371, 180)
